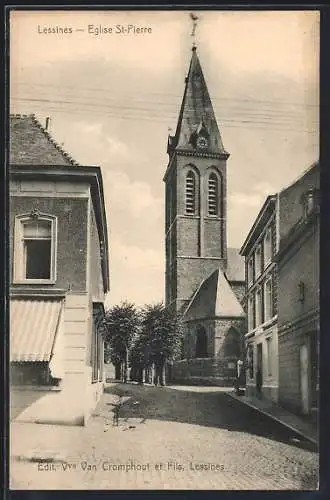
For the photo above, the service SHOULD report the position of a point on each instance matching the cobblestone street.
(167, 438)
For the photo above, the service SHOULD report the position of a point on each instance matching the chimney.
(47, 126)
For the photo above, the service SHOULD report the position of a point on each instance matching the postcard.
(164, 249)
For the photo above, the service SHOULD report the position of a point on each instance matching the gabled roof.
(31, 144)
(301, 178)
(235, 265)
(214, 298)
(196, 112)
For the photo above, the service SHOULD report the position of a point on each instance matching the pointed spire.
(196, 114)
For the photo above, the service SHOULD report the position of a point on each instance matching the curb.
(288, 426)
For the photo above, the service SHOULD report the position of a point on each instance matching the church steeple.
(196, 193)
(197, 129)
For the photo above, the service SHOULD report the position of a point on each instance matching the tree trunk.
(163, 374)
(126, 366)
(147, 375)
(118, 371)
(139, 375)
(158, 374)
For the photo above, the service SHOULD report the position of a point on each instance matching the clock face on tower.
(202, 143)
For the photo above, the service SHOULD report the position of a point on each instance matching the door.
(304, 379)
(259, 369)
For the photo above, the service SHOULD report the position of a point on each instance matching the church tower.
(196, 204)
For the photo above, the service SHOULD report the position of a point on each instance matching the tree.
(162, 331)
(121, 325)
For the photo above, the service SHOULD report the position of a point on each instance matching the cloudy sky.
(113, 97)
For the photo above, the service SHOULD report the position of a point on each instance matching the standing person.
(239, 373)
(259, 382)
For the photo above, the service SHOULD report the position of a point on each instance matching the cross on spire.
(194, 19)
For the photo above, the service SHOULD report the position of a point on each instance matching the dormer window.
(200, 137)
(35, 248)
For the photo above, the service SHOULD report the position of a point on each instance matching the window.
(309, 201)
(232, 345)
(258, 260)
(35, 248)
(269, 354)
(250, 270)
(251, 313)
(213, 194)
(258, 307)
(268, 247)
(250, 360)
(190, 193)
(268, 300)
(31, 373)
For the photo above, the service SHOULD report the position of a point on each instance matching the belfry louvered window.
(190, 193)
(213, 195)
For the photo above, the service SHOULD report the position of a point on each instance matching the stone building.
(204, 278)
(59, 276)
(259, 249)
(298, 297)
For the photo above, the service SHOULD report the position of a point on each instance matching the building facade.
(261, 338)
(59, 276)
(204, 278)
(298, 304)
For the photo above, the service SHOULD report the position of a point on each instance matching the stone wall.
(205, 371)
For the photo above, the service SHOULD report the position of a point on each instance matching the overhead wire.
(125, 115)
(214, 98)
(162, 111)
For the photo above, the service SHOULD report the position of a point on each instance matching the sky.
(114, 97)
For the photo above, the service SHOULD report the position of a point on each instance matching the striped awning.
(33, 328)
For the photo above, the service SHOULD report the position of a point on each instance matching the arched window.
(232, 343)
(201, 343)
(213, 194)
(190, 193)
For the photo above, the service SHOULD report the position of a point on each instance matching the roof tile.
(31, 144)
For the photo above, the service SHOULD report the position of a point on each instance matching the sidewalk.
(297, 424)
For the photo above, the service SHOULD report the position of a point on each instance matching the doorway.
(201, 343)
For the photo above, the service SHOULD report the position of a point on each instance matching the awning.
(35, 328)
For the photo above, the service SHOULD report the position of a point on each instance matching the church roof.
(235, 265)
(31, 144)
(214, 298)
(196, 112)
